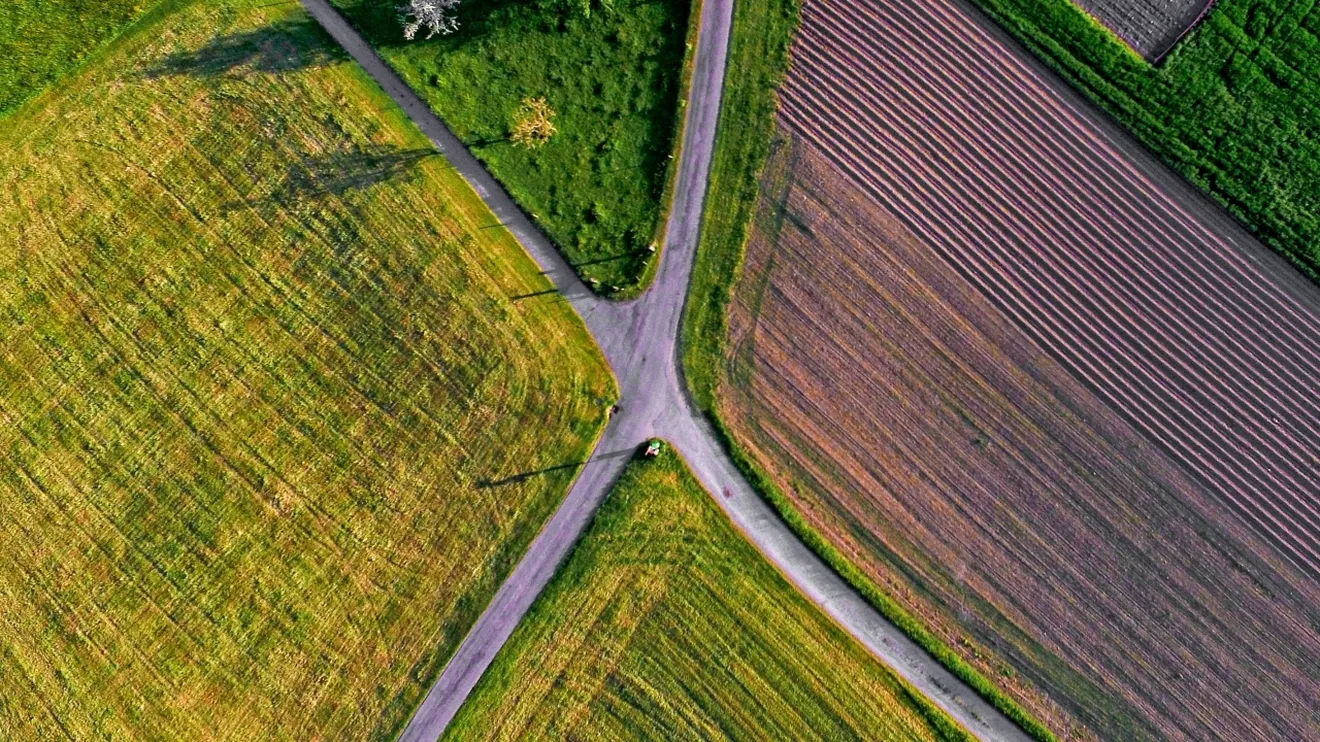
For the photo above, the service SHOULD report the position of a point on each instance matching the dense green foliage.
(1235, 107)
(665, 624)
(612, 77)
(758, 57)
(272, 431)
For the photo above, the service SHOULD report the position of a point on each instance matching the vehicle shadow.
(533, 294)
(524, 476)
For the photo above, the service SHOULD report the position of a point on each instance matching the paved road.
(640, 341)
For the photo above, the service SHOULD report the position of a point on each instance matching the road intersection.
(640, 340)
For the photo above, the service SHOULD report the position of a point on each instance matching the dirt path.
(639, 339)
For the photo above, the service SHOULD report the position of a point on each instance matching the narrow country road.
(640, 341)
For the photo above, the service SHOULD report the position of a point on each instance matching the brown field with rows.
(1032, 385)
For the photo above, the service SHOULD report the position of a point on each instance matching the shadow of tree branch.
(279, 47)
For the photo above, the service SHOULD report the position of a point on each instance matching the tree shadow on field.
(338, 173)
(524, 476)
(278, 47)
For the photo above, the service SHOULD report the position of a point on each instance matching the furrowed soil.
(273, 430)
(1032, 385)
(1234, 107)
(665, 624)
(1150, 27)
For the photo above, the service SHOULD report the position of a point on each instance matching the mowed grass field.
(664, 624)
(42, 39)
(269, 420)
(613, 80)
(991, 496)
(1234, 108)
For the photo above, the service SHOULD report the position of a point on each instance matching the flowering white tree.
(436, 16)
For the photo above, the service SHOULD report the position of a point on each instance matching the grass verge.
(613, 79)
(664, 623)
(1234, 108)
(274, 429)
(758, 57)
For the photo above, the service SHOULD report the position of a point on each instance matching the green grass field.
(1235, 107)
(613, 80)
(665, 624)
(42, 39)
(270, 422)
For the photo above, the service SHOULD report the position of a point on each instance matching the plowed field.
(1150, 27)
(1004, 359)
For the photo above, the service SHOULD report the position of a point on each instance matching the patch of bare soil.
(1150, 27)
